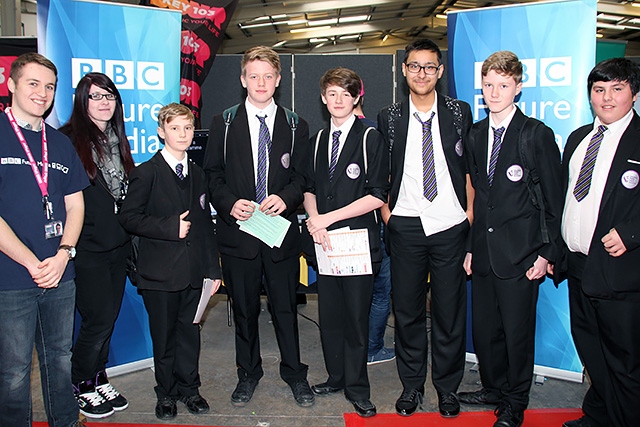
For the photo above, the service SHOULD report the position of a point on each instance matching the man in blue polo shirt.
(41, 215)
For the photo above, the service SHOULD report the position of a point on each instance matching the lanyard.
(41, 179)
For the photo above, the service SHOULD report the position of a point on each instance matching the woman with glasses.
(96, 128)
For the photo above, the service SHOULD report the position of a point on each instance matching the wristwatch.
(70, 249)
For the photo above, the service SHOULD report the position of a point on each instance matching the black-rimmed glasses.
(429, 70)
(98, 96)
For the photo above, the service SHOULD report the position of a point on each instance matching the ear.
(324, 100)
(11, 85)
(278, 80)
(518, 88)
(404, 69)
(356, 99)
(243, 81)
(161, 133)
(440, 71)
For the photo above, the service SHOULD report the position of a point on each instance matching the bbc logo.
(542, 72)
(125, 74)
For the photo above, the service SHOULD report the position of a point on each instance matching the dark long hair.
(86, 135)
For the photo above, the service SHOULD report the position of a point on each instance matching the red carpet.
(533, 418)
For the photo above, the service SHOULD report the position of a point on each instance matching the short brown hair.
(503, 62)
(261, 53)
(343, 77)
(173, 110)
(30, 58)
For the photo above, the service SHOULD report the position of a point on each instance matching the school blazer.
(452, 143)
(350, 181)
(152, 210)
(606, 276)
(506, 235)
(232, 177)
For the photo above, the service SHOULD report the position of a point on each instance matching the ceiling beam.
(246, 12)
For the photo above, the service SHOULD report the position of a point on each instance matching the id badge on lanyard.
(52, 228)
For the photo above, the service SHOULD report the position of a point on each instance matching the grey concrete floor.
(273, 404)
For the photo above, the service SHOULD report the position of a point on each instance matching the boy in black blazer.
(343, 189)
(601, 229)
(168, 207)
(507, 251)
(255, 153)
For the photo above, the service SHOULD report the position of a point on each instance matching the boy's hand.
(539, 269)
(216, 285)
(242, 209)
(322, 237)
(467, 263)
(613, 244)
(273, 205)
(184, 225)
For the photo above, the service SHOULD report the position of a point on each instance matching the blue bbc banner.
(556, 43)
(139, 49)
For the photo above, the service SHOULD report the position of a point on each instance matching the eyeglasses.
(98, 96)
(429, 70)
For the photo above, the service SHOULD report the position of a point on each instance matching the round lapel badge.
(514, 173)
(353, 171)
(203, 199)
(459, 149)
(630, 179)
(285, 160)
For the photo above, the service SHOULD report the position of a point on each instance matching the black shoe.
(117, 401)
(478, 397)
(448, 405)
(195, 404)
(91, 403)
(364, 408)
(302, 393)
(243, 392)
(324, 389)
(408, 402)
(507, 416)
(580, 422)
(166, 408)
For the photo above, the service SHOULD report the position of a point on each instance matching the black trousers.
(415, 257)
(607, 337)
(343, 306)
(176, 340)
(504, 325)
(243, 279)
(100, 282)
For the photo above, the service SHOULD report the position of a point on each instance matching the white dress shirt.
(254, 131)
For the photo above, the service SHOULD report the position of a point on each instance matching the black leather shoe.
(507, 416)
(364, 408)
(448, 405)
(243, 392)
(478, 397)
(302, 393)
(195, 404)
(324, 389)
(580, 422)
(408, 402)
(166, 408)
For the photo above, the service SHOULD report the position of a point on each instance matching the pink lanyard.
(41, 179)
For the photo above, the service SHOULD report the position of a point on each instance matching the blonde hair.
(173, 110)
(261, 53)
(503, 62)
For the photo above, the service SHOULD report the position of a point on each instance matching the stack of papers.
(270, 229)
(350, 254)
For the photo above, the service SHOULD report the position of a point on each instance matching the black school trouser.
(415, 256)
(100, 282)
(243, 280)
(607, 337)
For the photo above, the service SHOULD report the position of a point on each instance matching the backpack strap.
(454, 106)
(531, 175)
(315, 150)
(228, 115)
(292, 120)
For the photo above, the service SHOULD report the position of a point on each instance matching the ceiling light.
(297, 22)
(634, 4)
(350, 37)
(384, 39)
(357, 18)
(441, 15)
(280, 43)
(331, 21)
(302, 30)
(318, 40)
